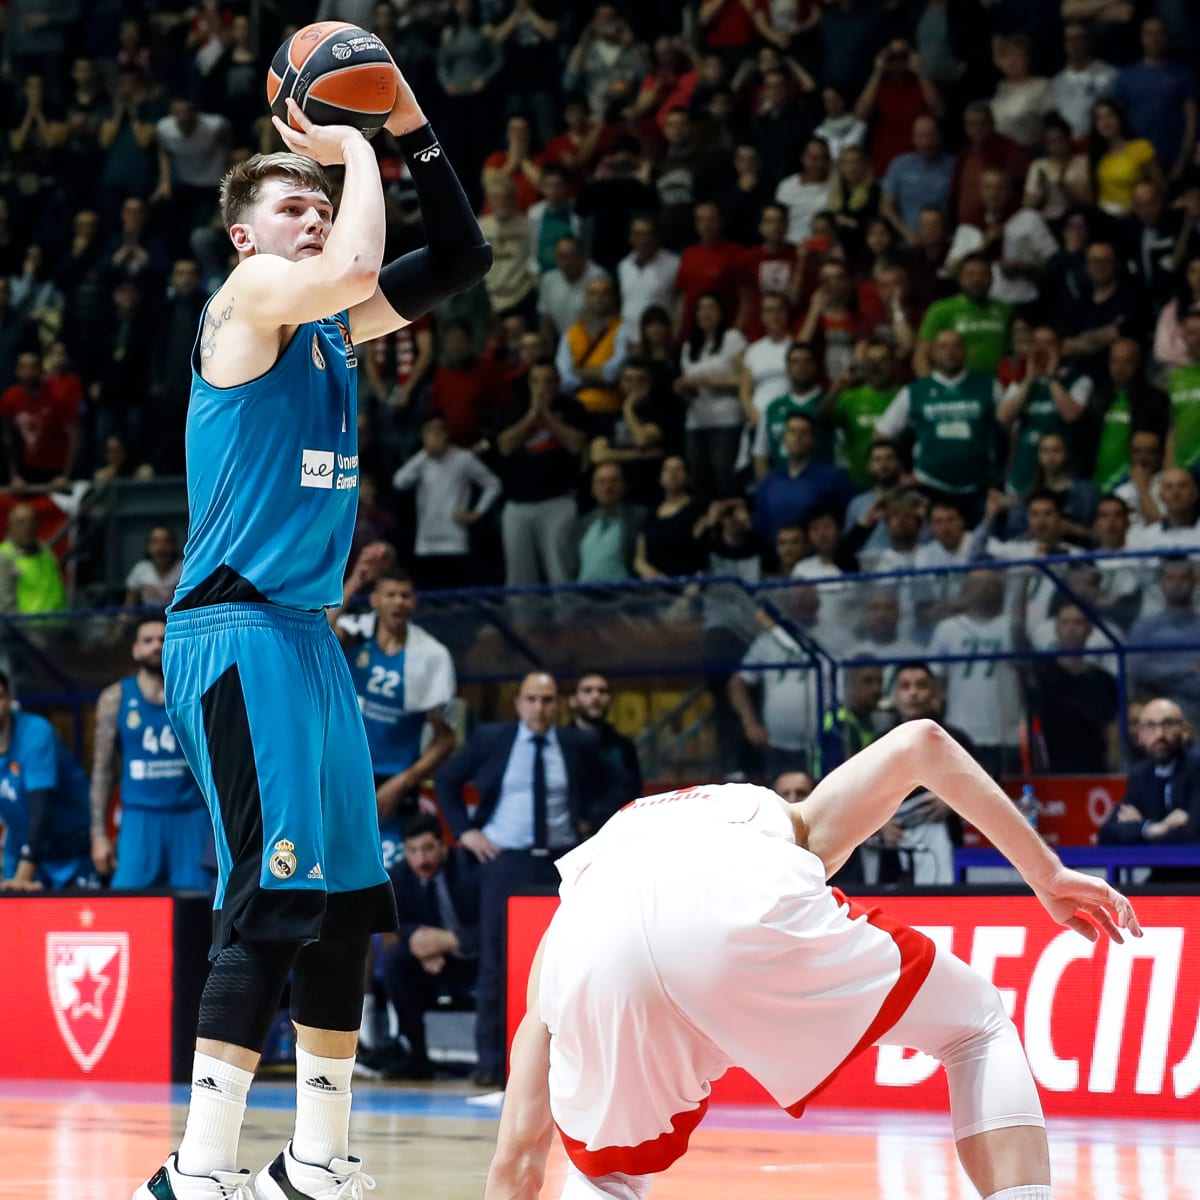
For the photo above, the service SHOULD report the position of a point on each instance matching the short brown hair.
(241, 186)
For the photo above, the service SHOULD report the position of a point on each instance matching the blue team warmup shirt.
(393, 735)
(154, 773)
(36, 761)
(273, 477)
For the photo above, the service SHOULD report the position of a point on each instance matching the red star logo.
(90, 989)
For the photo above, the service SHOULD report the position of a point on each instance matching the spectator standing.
(128, 139)
(41, 427)
(1170, 671)
(406, 686)
(1151, 236)
(984, 148)
(713, 264)
(1119, 160)
(591, 351)
(515, 162)
(1170, 348)
(511, 285)
(618, 191)
(951, 413)
(856, 402)
(177, 320)
(639, 437)
(675, 175)
(743, 200)
(647, 273)
(764, 363)
(193, 155)
(1021, 99)
(777, 125)
(807, 192)
(1048, 399)
(18, 335)
(982, 694)
(667, 547)
(1060, 179)
(898, 94)
(1183, 390)
(589, 703)
(1083, 80)
(981, 322)
(435, 949)
(734, 547)
(917, 180)
(465, 389)
(552, 217)
(1161, 804)
(833, 326)
(40, 586)
(444, 476)
(562, 292)
(165, 828)
(153, 580)
(1109, 308)
(840, 128)
(43, 804)
(788, 493)
(708, 384)
(805, 395)
(1160, 97)
(936, 597)
(606, 54)
(606, 537)
(580, 146)
(540, 446)
(881, 480)
(526, 31)
(468, 63)
(542, 789)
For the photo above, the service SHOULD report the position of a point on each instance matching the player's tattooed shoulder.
(214, 318)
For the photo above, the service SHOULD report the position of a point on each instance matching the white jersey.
(983, 698)
(695, 935)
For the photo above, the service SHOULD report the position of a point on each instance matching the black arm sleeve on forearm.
(457, 256)
(40, 804)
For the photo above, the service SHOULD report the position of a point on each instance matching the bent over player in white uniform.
(697, 932)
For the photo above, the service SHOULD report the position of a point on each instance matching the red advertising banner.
(87, 985)
(1110, 1031)
(1071, 808)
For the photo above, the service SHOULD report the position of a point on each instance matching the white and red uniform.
(695, 935)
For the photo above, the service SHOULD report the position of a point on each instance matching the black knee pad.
(327, 983)
(241, 997)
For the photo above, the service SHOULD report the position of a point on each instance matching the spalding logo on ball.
(337, 73)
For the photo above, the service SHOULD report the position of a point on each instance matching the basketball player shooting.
(257, 688)
(696, 932)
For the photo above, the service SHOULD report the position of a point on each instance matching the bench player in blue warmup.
(257, 687)
(164, 825)
(43, 804)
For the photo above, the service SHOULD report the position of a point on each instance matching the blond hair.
(242, 185)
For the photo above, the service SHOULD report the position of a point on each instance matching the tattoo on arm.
(104, 757)
(208, 336)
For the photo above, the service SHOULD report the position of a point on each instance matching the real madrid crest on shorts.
(133, 718)
(283, 861)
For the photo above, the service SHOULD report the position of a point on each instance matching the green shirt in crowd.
(856, 414)
(768, 437)
(39, 581)
(1039, 417)
(1184, 389)
(1112, 450)
(983, 328)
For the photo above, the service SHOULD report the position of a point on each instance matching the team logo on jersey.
(87, 974)
(364, 659)
(133, 719)
(283, 860)
(316, 469)
(317, 357)
(348, 341)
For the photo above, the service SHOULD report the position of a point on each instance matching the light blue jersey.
(154, 773)
(393, 735)
(272, 471)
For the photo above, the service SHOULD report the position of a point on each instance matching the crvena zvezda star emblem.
(86, 974)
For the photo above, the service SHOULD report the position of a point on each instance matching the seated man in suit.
(435, 952)
(542, 788)
(1162, 794)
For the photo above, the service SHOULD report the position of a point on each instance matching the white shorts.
(662, 971)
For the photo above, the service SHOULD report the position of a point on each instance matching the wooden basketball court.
(71, 1142)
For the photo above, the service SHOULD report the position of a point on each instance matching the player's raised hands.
(406, 114)
(1087, 905)
(324, 143)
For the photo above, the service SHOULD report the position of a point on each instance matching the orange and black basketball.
(337, 73)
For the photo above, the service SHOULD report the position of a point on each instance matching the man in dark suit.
(589, 704)
(542, 789)
(436, 949)
(1162, 794)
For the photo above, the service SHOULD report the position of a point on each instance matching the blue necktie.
(539, 792)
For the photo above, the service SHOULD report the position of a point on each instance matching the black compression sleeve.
(40, 803)
(457, 256)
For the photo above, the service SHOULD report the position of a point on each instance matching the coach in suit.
(542, 789)
(436, 948)
(1162, 794)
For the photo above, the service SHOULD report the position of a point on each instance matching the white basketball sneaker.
(287, 1178)
(171, 1184)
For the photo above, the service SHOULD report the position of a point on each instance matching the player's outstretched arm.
(457, 255)
(855, 800)
(270, 291)
(518, 1167)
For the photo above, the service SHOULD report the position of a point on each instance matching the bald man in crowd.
(543, 788)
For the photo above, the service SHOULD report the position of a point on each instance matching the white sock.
(322, 1108)
(1030, 1191)
(214, 1120)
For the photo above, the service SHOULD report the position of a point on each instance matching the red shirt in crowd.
(465, 396)
(564, 150)
(712, 268)
(527, 193)
(44, 420)
(763, 270)
(898, 103)
(733, 27)
(966, 191)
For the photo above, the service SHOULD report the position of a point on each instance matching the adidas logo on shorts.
(320, 1083)
(316, 873)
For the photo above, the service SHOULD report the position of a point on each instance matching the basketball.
(337, 73)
